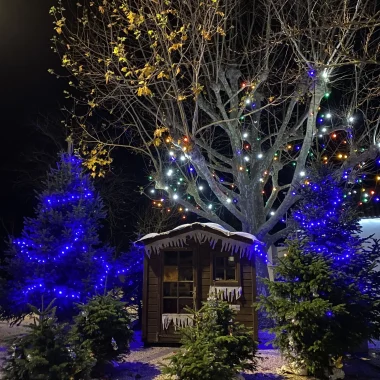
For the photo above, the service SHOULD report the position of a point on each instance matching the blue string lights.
(59, 254)
(324, 218)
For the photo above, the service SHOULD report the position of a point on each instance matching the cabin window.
(178, 282)
(225, 267)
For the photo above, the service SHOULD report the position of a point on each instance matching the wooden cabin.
(183, 266)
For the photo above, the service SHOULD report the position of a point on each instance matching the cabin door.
(178, 287)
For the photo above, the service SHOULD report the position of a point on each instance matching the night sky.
(27, 90)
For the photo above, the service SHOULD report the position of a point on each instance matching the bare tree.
(227, 100)
(156, 220)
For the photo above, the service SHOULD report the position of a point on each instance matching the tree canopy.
(227, 100)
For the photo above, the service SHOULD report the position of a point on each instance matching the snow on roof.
(202, 232)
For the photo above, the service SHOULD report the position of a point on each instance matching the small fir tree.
(215, 347)
(46, 354)
(326, 297)
(105, 325)
(59, 254)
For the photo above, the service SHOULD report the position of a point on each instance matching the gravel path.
(144, 363)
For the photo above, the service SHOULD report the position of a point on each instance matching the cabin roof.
(234, 242)
(211, 227)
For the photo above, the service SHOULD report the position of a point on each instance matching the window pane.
(185, 274)
(231, 261)
(186, 258)
(183, 302)
(170, 258)
(185, 289)
(170, 289)
(219, 261)
(230, 273)
(170, 274)
(219, 274)
(170, 305)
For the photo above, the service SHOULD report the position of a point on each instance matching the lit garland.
(320, 217)
(60, 250)
(180, 170)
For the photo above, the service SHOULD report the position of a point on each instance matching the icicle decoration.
(202, 236)
(226, 292)
(179, 320)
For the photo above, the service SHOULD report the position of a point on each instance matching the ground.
(143, 363)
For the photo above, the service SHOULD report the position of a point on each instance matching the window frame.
(214, 282)
(193, 282)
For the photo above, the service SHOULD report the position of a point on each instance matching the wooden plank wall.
(152, 306)
(246, 315)
(204, 264)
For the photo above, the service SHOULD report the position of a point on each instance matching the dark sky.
(27, 90)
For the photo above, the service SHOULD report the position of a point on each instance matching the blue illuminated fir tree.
(326, 297)
(59, 254)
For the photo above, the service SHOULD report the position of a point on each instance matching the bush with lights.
(326, 297)
(214, 347)
(59, 254)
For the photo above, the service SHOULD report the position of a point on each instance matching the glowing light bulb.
(229, 200)
(210, 207)
(272, 213)
(351, 119)
(183, 158)
(245, 135)
(200, 188)
(152, 191)
(171, 153)
(328, 116)
(170, 172)
(246, 158)
(324, 129)
(302, 173)
(247, 101)
(260, 155)
(175, 196)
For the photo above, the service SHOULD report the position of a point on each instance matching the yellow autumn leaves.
(144, 91)
(96, 160)
(158, 136)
